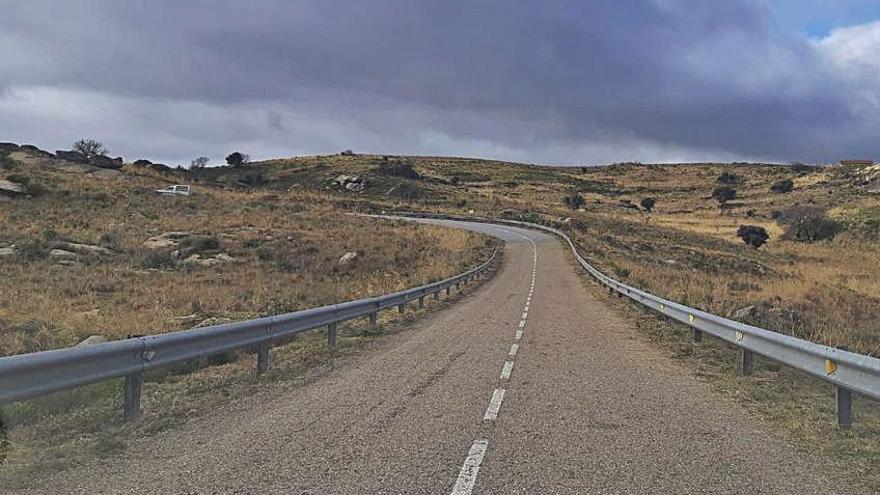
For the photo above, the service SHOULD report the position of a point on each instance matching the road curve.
(529, 385)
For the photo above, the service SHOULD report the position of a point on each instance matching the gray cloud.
(557, 81)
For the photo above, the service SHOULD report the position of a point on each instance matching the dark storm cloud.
(692, 77)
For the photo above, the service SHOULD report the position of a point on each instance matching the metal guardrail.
(848, 371)
(31, 375)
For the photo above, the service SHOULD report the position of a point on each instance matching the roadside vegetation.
(789, 248)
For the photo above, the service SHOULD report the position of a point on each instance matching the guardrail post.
(844, 408)
(331, 336)
(746, 359)
(437, 296)
(698, 335)
(132, 396)
(421, 302)
(448, 291)
(401, 308)
(262, 358)
(374, 321)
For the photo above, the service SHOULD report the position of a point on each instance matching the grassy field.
(288, 221)
(238, 252)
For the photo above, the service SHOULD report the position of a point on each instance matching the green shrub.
(723, 194)
(782, 186)
(753, 235)
(158, 260)
(727, 178)
(574, 201)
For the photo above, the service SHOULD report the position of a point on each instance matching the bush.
(90, 147)
(724, 194)
(252, 180)
(727, 178)
(810, 225)
(648, 204)
(574, 201)
(782, 186)
(237, 159)
(753, 235)
(33, 250)
(157, 260)
(198, 244)
(404, 170)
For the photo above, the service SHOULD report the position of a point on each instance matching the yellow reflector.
(691, 318)
(830, 367)
(739, 335)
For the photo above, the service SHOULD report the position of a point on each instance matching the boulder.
(348, 258)
(102, 161)
(72, 156)
(159, 167)
(7, 251)
(9, 188)
(225, 258)
(61, 254)
(88, 249)
(142, 162)
(92, 340)
(166, 240)
(33, 150)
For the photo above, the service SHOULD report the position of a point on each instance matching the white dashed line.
(525, 315)
(494, 405)
(522, 323)
(468, 474)
(514, 348)
(506, 369)
(518, 334)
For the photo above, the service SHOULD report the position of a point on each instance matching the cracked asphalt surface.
(589, 407)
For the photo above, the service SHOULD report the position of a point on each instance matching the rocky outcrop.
(166, 240)
(87, 249)
(209, 261)
(72, 156)
(350, 182)
(102, 161)
(8, 147)
(348, 258)
(7, 251)
(12, 189)
(142, 163)
(62, 254)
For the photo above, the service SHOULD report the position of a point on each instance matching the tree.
(727, 178)
(90, 147)
(782, 186)
(198, 163)
(236, 159)
(723, 194)
(648, 204)
(753, 235)
(574, 201)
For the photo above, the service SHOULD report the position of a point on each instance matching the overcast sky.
(563, 82)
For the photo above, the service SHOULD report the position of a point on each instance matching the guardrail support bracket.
(262, 358)
(746, 359)
(844, 408)
(331, 336)
(132, 396)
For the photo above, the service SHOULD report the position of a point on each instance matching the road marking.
(525, 315)
(522, 323)
(506, 369)
(514, 348)
(468, 474)
(494, 405)
(518, 334)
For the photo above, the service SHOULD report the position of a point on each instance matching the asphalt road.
(528, 385)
